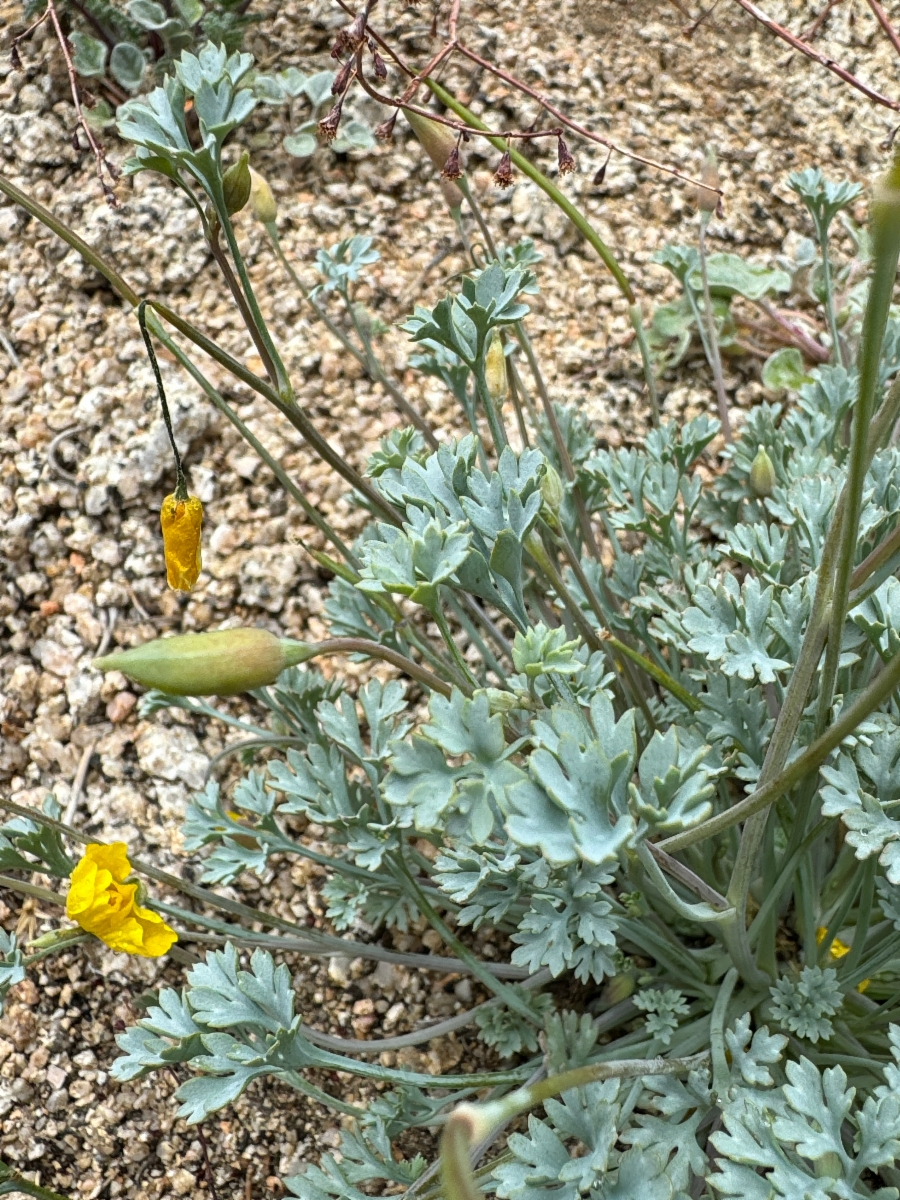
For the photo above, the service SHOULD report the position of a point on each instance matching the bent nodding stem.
(471, 1123)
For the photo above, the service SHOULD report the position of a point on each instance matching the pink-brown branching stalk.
(104, 166)
(455, 46)
(825, 60)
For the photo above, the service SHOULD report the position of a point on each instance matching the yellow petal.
(181, 522)
(157, 936)
(113, 858)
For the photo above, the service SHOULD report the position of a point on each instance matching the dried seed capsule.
(207, 664)
(181, 520)
(495, 370)
(762, 475)
(261, 199)
(236, 185)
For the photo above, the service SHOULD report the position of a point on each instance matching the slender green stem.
(637, 324)
(863, 918)
(471, 1123)
(509, 995)
(31, 889)
(562, 201)
(283, 382)
(310, 650)
(715, 356)
(837, 353)
(812, 757)
(311, 512)
(721, 1073)
(884, 223)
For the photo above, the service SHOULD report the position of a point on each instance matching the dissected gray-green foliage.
(550, 760)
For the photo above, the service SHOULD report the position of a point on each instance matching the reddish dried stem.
(456, 46)
(824, 60)
(882, 18)
(96, 149)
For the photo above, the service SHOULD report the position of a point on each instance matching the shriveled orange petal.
(181, 522)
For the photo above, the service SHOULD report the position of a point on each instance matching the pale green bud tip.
(552, 488)
(261, 199)
(236, 185)
(495, 370)
(224, 663)
(762, 474)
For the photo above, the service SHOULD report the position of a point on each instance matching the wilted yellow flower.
(181, 521)
(103, 904)
(837, 950)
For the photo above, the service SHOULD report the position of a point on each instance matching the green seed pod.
(236, 185)
(207, 664)
(495, 370)
(438, 142)
(551, 488)
(762, 475)
(261, 199)
(707, 195)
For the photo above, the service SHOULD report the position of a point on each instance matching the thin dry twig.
(78, 782)
(453, 45)
(824, 60)
(882, 19)
(97, 150)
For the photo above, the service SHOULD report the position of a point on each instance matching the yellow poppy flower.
(837, 950)
(181, 520)
(103, 904)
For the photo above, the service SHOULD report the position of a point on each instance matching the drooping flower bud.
(224, 663)
(342, 79)
(503, 176)
(236, 184)
(452, 168)
(261, 199)
(762, 478)
(378, 63)
(328, 126)
(181, 518)
(495, 370)
(385, 131)
(439, 143)
(564, 158)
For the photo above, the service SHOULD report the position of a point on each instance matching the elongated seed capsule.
(181, 519)
(495, 370)
(224, 663)
(439, 142)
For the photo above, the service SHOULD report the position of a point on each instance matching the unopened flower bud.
(224, 663)
(564, 158)
(551, 488)
(181, 519)
(617, 989)
(342, 79)
(236, 184)
(261, 199)
(452, 168)
(495, 370)
(707, 195)
(385, 131)
(503, 176)
(762, 475)
(380, 68)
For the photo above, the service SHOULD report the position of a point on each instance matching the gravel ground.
(84, 464)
